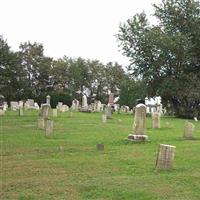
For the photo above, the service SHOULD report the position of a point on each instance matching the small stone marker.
(195, 119)
(41, 123)
(49, 127)
(100, 147)
(165, 157)
(2, 112)
(61, 148)
(104, 118)
(133, 137)
(155, 120)
(21, 112)
(188, 130)
(108, 112)
(55, 112)
(70, 114)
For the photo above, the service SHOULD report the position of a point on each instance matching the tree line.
(28, 73)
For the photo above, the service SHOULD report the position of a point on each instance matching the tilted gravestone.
(156, 120)
(165, 157)
(189, 130)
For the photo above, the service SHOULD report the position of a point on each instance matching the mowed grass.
(32, 167)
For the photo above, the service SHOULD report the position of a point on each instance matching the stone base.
(132, 137)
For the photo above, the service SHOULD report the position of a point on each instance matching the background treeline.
(28, 73)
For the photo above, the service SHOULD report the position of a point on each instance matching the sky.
(75, 28)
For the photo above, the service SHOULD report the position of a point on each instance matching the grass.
(33, 168)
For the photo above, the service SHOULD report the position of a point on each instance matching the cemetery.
(50, 154)
(83, 120)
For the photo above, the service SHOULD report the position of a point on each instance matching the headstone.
(14, 105)
(30, 102)
(165, 157)
(2, 112)
(84, 102)
(104, 118)
(108, 111)
(75, 104)
(100, 147)
(61, 148)
(156, 120)
(195, 119)
(111, 99)
(21, 112)
(41, 123)
(36, 106)
(48, 99)
(133, 137)
(21, 104)
(49, 127)
(64, 108)
(188, 130)
(59, 105)
(55, 113)
(140, 118)
(45, 111)
(139, 124)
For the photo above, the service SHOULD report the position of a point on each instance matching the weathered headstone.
(108, 111)
(49, 127)
(139, 124)
(104, 118)
(41, 123)
(2, 112)
(111, 99)
(165, 157)
(188, 130)
(156, 120)
(61, 148)
(100, 147)
(140, 118)
(55, 112)
(45, 111)
(21, 112)
(14, 105)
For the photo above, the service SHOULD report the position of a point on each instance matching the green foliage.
(64, 97)
(132, 90)
(167, 55)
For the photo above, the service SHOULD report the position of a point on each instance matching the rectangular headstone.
(49, 128)
(165, 157)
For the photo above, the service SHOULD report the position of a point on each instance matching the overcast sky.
(73, 28)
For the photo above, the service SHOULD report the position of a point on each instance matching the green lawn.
(32, 167)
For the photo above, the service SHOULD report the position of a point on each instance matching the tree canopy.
(166, 56)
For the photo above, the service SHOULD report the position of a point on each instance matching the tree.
(12, 75)
(38, 70)
(167, 55)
